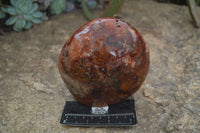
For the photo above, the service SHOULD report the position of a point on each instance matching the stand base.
(120, 114)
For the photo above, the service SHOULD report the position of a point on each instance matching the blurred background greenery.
(21, 15)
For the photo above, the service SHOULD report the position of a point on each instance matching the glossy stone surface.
(104, 62)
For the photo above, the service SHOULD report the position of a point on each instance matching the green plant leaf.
(86, 11)
(28, 17)
(16, 29)
(57, 6)
(91, 4)
(11, 11)
(194, 12)
(198, 2)
(11, 20)
(3, 9)
(37, 14)
(19, 25)
(24, 5)
(36, 20)
(2, 15)
(112, 8)
(13, 2)
(33, 8)
(28, 25)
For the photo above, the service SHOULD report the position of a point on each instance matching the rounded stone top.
(104, 62)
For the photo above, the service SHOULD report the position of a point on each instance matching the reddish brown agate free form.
(104, 62)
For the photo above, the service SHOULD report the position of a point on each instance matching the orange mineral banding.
(104, 62)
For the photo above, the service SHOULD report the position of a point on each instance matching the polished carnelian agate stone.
(104, 62)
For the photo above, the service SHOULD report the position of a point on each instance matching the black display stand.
(120, 114)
